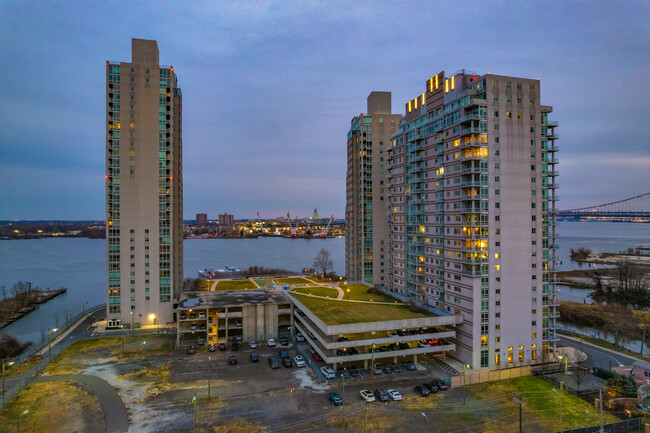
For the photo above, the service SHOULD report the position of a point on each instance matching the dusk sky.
(269, 89)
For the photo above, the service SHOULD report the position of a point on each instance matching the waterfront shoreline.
(41, 297)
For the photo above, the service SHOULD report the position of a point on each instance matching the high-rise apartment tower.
(369, 139)
(471, 200)
(144, 189)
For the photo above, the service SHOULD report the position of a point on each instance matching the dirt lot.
(158, 385)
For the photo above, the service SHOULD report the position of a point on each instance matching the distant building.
(315, 215)
(144, 189)
(201, 219)
(369, 141)
(226, 219)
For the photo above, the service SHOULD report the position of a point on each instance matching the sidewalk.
(68, 331)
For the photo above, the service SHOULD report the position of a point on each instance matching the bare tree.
(323, 261)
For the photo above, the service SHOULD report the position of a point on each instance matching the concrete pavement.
(598, 356)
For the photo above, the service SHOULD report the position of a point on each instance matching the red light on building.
(171, 177)
(106, 63)
(106, 177)
(171, 68)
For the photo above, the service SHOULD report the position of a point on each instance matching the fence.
(625, 426)
(14, 385)
(490, 376)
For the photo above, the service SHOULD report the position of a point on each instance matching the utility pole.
(521, 403)
(600, 403)
(643, 338)
(209, 358)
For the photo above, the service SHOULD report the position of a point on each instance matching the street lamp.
(209, 359)
(3, 379)
(559, 396)
(465, 366)
(49, 343)
(132, 325)
(19, 415)
(123, 334)
(566, 364)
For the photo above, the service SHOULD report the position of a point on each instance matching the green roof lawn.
(235, 285)
(318, 291)
(294, 280)
(341, 312)
(359, 292)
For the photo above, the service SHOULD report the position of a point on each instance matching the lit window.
(497, 267)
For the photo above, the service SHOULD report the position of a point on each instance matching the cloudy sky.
(269, 89)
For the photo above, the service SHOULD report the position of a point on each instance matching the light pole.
(132, 325)
(49, 343)
(465, 366)
(19, 415)
(3, 379)
(209, 358)
(123, 335)
(566, 364)
(559, 396)
(194, 403)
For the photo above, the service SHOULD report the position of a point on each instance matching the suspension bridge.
(633, 207)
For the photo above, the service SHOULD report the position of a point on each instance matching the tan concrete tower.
(144, 189)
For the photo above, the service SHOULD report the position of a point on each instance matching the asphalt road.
(597, 356)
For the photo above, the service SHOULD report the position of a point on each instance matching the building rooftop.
(223, 299)
(341, 312)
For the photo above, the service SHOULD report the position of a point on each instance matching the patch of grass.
(359, 292)
(341, 312)
(23, 367)
(294, 280)
(238, 425)
(318, 291)
(235, 285)
(202, 285)
(542, 403)
(155, 376)
(59, 406)
(261, 282)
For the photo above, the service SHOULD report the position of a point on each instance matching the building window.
(508, 84)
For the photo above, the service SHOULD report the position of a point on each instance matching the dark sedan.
(334, 399)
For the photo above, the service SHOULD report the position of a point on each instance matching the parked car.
(328, 372)
(432, 387)
(192, 315)
(254, 357)
(201, 342)
(284, 341)
(355, 373)
(232, 360)
(441, 385)
(212, 348)
(420, 390)
(222, 347)
(394, 394)
(253, 345)
(271, 342)
(316, 357)
(342, 339)
(193, 326)
(300, 361)
(381, 394)
(274, 362)
(367, 396)
(311, 350)
(286, 361)
(283, 353)
(403, 346)
(334, 399)
(183, 316)
(345, 374)
(387, 369)
(234, 346)
(203, 326)
(191, 350)
(378, 370)
(299, 337)
(410, 366)
(396, 368)
(201, 315)
(422, 343)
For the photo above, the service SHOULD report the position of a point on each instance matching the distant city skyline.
(269, 90)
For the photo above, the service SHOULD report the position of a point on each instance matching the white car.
(328, 372)
(394, 394)
(300, 361)
(367, 396)
(253, 345)
(299, 337)
(271, 342)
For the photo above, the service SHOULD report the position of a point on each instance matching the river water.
(79, 264)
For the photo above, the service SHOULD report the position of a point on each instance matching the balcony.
(551, 123)
(473, 184)
(467, 210)
(553, 173)
(472, 273)
(550, 136)
(473, 130)
(551, 186)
